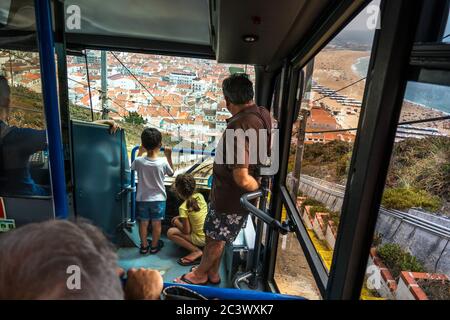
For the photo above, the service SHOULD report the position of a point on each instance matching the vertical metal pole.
(104, 86)
(304, 114)
(256, 265)
(89, 84)
(11, 70)
(48, 75)
(133, 186)
(63, 91)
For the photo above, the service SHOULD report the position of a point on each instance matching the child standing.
(151, 193)
(187, 230)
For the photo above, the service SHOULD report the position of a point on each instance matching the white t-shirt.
(151, 174)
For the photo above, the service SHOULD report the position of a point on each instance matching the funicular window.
(324, 132)
(446, 33)
(293, 275)
(409, 259)
(24, 143)
(182, 97)
(24, 165)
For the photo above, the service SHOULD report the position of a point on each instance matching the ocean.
(427, 95)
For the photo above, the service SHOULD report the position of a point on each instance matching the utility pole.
(104, 94)
(11, 70)
(179, 141)
(304, 114)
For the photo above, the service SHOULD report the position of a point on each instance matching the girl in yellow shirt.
(187, 230)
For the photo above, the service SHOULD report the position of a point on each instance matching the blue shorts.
(151, 210)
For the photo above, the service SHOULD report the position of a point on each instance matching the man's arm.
(113, 126)
(244, 180)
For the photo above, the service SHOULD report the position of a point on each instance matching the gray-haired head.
(5, 92)
(238, 89)
(36, 259)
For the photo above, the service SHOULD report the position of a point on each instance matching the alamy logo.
(73, 21)
(74, 279)
(242, 147)
(373, 21)
(373, 278)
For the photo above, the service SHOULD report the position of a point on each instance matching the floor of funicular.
(164, 261)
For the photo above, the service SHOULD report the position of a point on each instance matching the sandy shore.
(334, 69)
(411, 112)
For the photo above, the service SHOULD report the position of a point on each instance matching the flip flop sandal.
(189, 262)
(187, 281)
(209, 281)
(154, 250)
(144, 250)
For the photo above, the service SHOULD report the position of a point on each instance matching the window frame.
(426, 65)
(287, 120)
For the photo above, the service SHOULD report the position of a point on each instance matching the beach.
(412, 111)
(333, 69)
(336, 69)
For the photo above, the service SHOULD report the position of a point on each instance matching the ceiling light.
(250, 38)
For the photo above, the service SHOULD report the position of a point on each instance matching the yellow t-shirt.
(196, 219)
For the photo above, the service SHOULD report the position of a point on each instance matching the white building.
(200, 85)
(120, 81)
(182, 78)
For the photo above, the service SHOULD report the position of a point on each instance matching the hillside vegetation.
(27, 112)
(419, 174)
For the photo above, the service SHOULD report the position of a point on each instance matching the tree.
(134, 118)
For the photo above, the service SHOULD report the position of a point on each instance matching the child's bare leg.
(184, 241)
(143, 232)
(156, 232)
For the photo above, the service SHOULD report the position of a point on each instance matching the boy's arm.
(168, 154)
(141, 151)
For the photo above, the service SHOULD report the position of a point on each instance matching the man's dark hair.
(238, 88)
(151, 138)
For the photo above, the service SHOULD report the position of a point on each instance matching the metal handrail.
(273, 223)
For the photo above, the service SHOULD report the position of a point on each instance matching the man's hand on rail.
(113, 126)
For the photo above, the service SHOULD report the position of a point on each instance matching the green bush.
(134, 117)
(335, 217)
(311, 202)
(397, 259)
(342, 165)
(314, 209)
(328, 152)
(422, 164)
(405, 198)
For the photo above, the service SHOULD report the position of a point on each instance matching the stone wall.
(429, 244)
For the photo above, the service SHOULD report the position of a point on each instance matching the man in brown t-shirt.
(243, 147)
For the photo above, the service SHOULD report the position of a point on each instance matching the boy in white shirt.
(151, 194)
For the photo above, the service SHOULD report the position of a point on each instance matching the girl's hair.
(185, 186)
